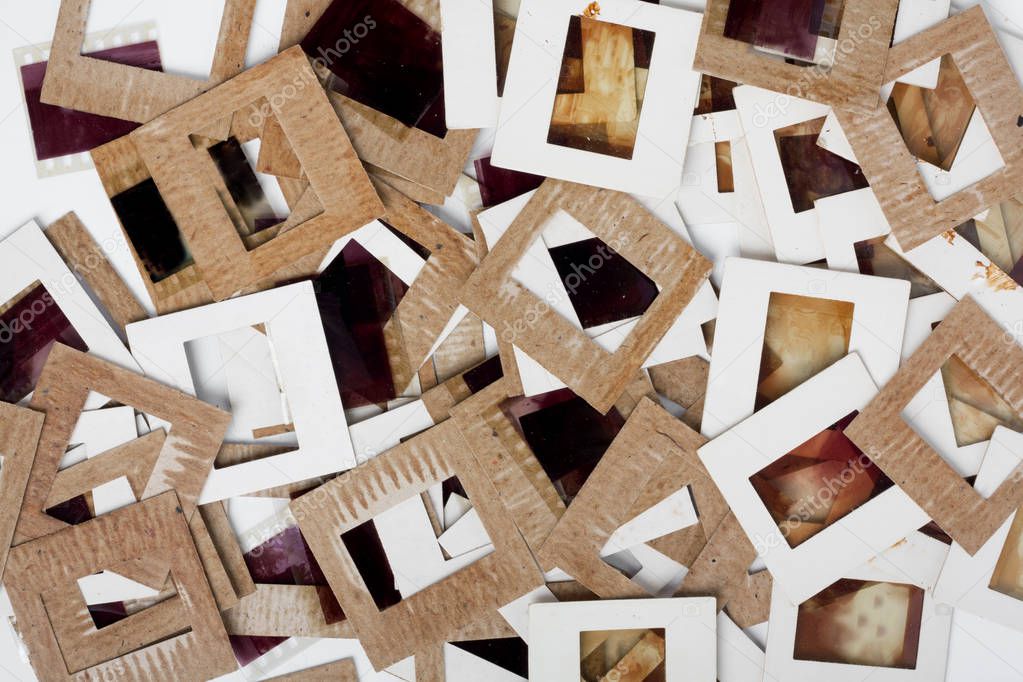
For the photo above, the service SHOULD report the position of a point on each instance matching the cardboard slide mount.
(852, 82)
(144, 541)
(564, 350)
(433, 297)
(179, 459)
(528, 494)
(891, 443)
(888, 165)
(19, 436)
(653, 456)
(438, 612)
(80, 251)
(338, 185)
(131, 93)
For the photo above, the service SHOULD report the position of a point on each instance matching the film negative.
(62, 138)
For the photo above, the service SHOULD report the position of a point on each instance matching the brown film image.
(858, 622)
(998, 234)
(933, 122)
(634, 655)
(818, 483)
(874, 257)
(974, 406)
(601, 87)
(803, 336)
(1008, 574)
(505, 18)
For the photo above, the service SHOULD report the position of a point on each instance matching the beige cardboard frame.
(80, 251)
(179, 459)
(19, 437)
(722, 571)
(131, 93)
(415, 156)
(528, 495)
(888, 165)
(653, 456)
(429, 303)
(564, 350)
(881, 432)
(181, 173)
(152, 532)
(853, 82)
(283, 611)
(438, 612)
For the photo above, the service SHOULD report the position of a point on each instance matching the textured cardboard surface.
(283, 611)
(19, 436)
(182, 462)
(563, 349)
(888, 165)
(722, 571)
(433, 297)
(78, 249)
(341, 186)
(76, 81)
(891, 443)
(435, 614)
(44, 571)
(852, 82)
(531, 499)
(653, 456)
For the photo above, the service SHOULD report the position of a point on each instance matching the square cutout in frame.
(892, 169)
(604, 99)
(768, 315)
(146, 542)
(639, 652)
(890, 441)
(280, 97)
(178, 456)
(295, 372)
(871, 623)
(652, 460)
(131, 93)
(768, 47)
(646, 639)
(812, 503)
(436, 613)
(552, 340)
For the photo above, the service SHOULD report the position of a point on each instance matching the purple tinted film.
(384, 56)
(57, 131)
(357, 295)
(602, 285)
(498, 185)
(566, 435)
(28, 330)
